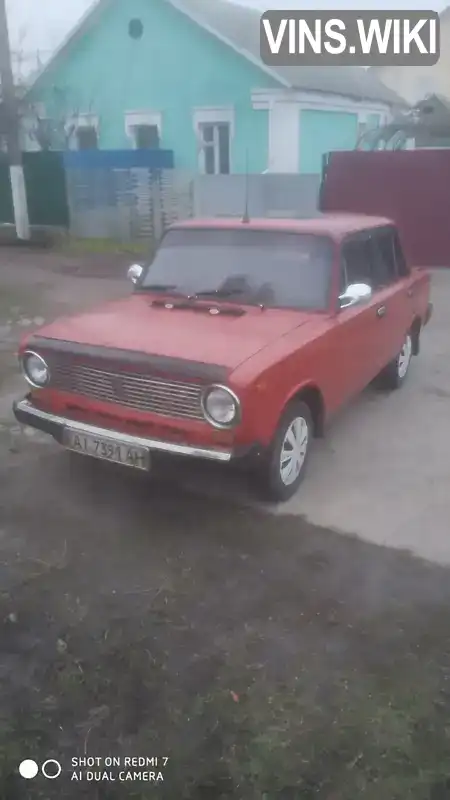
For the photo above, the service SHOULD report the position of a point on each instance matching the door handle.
(381, 311)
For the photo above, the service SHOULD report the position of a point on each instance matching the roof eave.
(225, 40)
(391, 103)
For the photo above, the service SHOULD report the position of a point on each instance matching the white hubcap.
(404, 357)
(293, 450)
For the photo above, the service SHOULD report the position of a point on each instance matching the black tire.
(395, 374)
(273, 487)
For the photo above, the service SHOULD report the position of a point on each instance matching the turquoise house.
(185, 75)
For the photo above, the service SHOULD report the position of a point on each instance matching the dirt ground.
(262, 656)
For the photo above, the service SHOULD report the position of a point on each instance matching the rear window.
(271, 268)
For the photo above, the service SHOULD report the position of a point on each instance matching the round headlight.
(220, 407)
(35, 370)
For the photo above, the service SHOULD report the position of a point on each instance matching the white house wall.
(284, 132)
(287, 151)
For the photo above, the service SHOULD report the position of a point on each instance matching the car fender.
(266, 416)
(311, 393)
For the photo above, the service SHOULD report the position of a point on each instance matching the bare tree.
(52, 131)
(55, 132)
(53, 128)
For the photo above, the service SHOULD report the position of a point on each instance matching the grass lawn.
(76, 246)
(267, 660)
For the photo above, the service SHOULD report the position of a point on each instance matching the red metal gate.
(411, 187)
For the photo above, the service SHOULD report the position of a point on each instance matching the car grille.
(168, 398)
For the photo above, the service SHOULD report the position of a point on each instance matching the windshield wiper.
(172, 289)
(217, 293)
(163, 287)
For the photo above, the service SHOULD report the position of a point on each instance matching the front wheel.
(395, 373)
(284, 465)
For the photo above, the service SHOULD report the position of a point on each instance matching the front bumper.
(27, 414)
(429, 313)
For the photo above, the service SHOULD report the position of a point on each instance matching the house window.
(144, 128)
(146, 137)
(135, 28)
(87, 138)
(215, 147)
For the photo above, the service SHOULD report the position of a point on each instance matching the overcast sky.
(42, 24)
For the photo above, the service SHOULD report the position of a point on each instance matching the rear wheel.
(284, 465)
(395, 373)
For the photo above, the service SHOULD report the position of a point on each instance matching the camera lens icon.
(50, 769)
(28, 769)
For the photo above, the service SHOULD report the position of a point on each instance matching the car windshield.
(257, 267)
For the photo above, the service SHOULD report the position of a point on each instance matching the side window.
(356, 262)
(402, 266)
(384, 261)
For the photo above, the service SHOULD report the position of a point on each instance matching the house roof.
(239, 27)
(441, 99)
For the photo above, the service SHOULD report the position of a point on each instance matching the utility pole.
(10, 106)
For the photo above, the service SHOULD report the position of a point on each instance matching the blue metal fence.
(119, 159)
(115, 193)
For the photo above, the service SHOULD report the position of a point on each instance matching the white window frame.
(83, 120)
(134, 119)
(212, 115)
(86, 121)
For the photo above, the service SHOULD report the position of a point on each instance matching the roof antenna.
(246, 217)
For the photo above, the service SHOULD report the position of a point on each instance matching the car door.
(353, 340)
(392, 292)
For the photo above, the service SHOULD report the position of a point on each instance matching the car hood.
(134, 324)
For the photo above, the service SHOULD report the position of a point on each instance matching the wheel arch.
(310, 394)
(415, 330)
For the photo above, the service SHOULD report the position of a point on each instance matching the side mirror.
(134, 273)
(354, 294)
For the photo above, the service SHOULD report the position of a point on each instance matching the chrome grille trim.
(164, 397)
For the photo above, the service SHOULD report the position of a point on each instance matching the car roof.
(337, 226)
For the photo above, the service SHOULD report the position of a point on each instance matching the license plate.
(107, 449)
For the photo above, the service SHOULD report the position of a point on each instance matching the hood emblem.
(214, 311)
